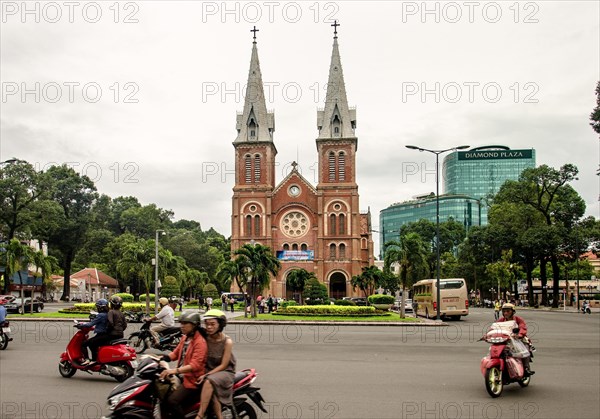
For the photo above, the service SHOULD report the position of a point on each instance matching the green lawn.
(394, 317)
(54, 315)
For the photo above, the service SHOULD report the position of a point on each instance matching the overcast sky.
(142, 96)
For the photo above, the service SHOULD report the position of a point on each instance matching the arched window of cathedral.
(332, 225)
(332, 166)
(286, 246)
(248, 229)
(342, 251)
(342, 224)
(252, 129)
(257, 225)
(304, 247)
(332, 251)
(342, 166)
(257, 168)
(336, 126)
(295, 246)
(248, 168)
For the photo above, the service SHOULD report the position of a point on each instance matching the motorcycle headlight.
(118, 398)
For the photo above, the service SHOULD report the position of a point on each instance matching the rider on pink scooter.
(508, 313)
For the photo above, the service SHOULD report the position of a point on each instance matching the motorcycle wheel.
(129, 372)
(245, 411)
(66, 369)
(3, 341)
(137, 343)
(524, 382)
(493, 382)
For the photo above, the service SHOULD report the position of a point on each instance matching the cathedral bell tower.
(254, 163)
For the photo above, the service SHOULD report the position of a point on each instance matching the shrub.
(210, 290)
(289, 303)
(326, 310)
(381, 299)
(344, 303)
(170, 287)
(143, 298)
(127, 298)
(315, 292)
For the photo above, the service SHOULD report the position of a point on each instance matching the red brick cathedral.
(317, 228)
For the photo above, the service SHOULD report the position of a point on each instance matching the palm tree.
(410, 254)
(368, 280)
(16, 258)
(297, 280)
(259, 263)
(136, 262)
(233, 270)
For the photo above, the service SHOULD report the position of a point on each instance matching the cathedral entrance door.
(337, 285)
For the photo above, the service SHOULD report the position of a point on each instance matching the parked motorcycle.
(141, 395)
(116, 359)
(142, 340)
(134, 317)
(4, 334)
(503, 364)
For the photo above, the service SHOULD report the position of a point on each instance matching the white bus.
(453, 292)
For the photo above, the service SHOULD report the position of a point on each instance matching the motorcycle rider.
(116, 319)
(508, 314)
(217, 383)
(190, 355)
(100, 323)
(166, 315)
(2, 312)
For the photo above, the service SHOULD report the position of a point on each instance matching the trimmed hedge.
(344, 303)
(127, 298)
(143, 298)
(288, 303)
(381, 299)
(326, 310)
(85, 308)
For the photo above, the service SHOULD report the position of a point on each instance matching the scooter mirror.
(515, 330)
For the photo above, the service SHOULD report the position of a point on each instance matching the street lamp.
(156, 270)
(437, 212)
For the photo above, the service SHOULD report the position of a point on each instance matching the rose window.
(294, 224)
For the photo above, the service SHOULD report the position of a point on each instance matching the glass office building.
(469, 178)
(461, 208)
(480, 172)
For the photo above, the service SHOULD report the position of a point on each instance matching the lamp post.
(437, 213)
(156, 270)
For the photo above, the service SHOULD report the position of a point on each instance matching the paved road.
(345, 371)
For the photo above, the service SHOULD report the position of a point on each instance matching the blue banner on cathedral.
(296, 254)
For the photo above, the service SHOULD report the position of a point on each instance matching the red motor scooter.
(503, 364)
(116, 359)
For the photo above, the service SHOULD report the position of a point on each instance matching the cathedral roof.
(336, 111)
(255, 123)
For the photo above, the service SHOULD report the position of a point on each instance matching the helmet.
(216, 314)
(116, 301)
(163, 301)
(102, 304)
(190, 316)
(508, 306)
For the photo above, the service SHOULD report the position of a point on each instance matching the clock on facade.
(294, 190)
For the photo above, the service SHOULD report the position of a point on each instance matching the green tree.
(410, 255)
(315, 292)
(368, 280)
(259, 263)
(297, 279)
(16, 257)
(595, 115)
(170, 287)
(547, 191)
(210, 290)
(75, 195)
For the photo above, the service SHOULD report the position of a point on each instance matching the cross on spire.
(254, 30)
(335, 25)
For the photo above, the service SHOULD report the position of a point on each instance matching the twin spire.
(336, 120)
